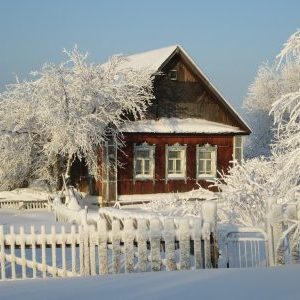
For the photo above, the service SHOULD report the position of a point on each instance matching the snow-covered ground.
(27, 218)
(260, 283)
(24, 194)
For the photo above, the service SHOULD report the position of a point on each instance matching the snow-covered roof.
(151, 60)
(175, 125)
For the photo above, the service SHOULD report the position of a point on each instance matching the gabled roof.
(156, 60)
(151, 60)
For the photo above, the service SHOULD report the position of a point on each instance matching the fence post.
(92, 238)
(197, 222)
(63, 251)
(33, 249)
(155, 244)
(292, 214)
(169, 235)
(184, 242)
(2, 253)
(13, 252)
(53, 250)
(81, 250)
(102, 248)
(73, 249)
(209, 213)
(23, 254)
(128, 245)
(274, 223)
(142, 245)
(86, 251)
(116, 238)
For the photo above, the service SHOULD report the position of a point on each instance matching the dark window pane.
(147, 167)
(205, 154)
(170, 166)
(178, 166)
(142, 153)
(174, 154)
(201, 166)
(138, 167)
(208, 166)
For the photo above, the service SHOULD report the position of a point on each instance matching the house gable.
(190, 96)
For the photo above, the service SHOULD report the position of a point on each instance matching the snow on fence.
(24, 204)
(128, 246)
(246, 247)
(74, 214)
(283, 227)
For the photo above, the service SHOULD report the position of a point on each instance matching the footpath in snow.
(260, 283)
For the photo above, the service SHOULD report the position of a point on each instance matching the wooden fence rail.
(128, 246)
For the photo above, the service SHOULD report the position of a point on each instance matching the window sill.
(205, 177)
(174, 177)
(143, 178)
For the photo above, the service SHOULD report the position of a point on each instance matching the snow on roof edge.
(176, 125)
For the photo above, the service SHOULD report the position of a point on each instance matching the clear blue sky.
(228, 39)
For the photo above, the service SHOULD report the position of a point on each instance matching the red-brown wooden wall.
(126, 186)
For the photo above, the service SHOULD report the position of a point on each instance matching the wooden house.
(190, 132)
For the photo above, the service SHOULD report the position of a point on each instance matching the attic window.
(173, 74)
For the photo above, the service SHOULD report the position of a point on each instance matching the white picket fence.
(26, 205)
(128, 246)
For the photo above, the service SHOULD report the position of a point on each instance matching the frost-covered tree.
(271, 83)
(247, 187)
(286, 112)
(68, 110)
(261, 94)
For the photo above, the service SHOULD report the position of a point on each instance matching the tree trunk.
(68, 168)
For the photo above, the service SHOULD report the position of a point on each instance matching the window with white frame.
(173, 74)
(144, 162)
(238, 148)
(206, 161)
(176, 161)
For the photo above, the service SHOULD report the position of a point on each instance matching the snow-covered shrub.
(244, 192)
(181, 204)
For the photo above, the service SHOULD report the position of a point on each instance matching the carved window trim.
(182, 174)
(213, 161)
(146, 147)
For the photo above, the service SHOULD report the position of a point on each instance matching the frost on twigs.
(181, 204)
(260, 191)
(275, 88)
(68, 110)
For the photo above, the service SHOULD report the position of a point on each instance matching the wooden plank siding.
(126, 184)
(187, 97)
